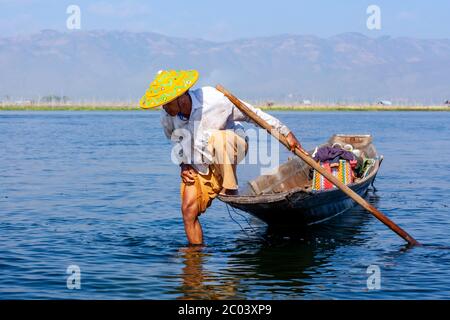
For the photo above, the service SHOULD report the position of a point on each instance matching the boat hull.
(285, 198)
(301, 208)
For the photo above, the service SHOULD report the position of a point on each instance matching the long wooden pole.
(310, 161)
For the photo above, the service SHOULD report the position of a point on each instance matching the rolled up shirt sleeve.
(272, 121)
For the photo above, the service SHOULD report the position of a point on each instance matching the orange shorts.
(208, 187)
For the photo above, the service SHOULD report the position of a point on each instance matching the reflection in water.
(281, 267)
(285, 266)
(199, 283)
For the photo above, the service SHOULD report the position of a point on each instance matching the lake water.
(98, 190)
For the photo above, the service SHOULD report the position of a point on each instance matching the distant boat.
(287, 198)
(385, 103)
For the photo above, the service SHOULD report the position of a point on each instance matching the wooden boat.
(286, 197)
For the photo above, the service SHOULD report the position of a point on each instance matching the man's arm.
(167, 124)
(188, 173)
(272, 121)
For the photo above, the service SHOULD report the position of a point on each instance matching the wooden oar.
(307, 158)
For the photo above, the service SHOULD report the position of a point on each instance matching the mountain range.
(119, 65)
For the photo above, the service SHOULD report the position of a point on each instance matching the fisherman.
(210, 138)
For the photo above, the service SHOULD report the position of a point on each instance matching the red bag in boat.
(343, 173)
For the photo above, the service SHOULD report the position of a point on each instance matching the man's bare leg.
(189, 208)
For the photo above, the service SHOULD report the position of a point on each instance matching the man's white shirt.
(211, 110)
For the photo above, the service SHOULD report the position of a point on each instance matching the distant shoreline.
(304, 108)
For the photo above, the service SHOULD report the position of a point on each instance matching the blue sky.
(231, 19)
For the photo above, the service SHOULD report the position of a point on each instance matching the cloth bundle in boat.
(343, 173)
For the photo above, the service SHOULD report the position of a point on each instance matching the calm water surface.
(98, 190)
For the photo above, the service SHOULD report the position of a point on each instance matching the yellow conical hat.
(167, 86)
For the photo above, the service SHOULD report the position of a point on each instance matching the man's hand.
(188, 173)
(293, 142)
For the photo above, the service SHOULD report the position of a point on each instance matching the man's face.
(172, 108)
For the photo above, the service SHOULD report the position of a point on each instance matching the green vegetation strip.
(271, 108)
(68, 108)
(356, 108)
